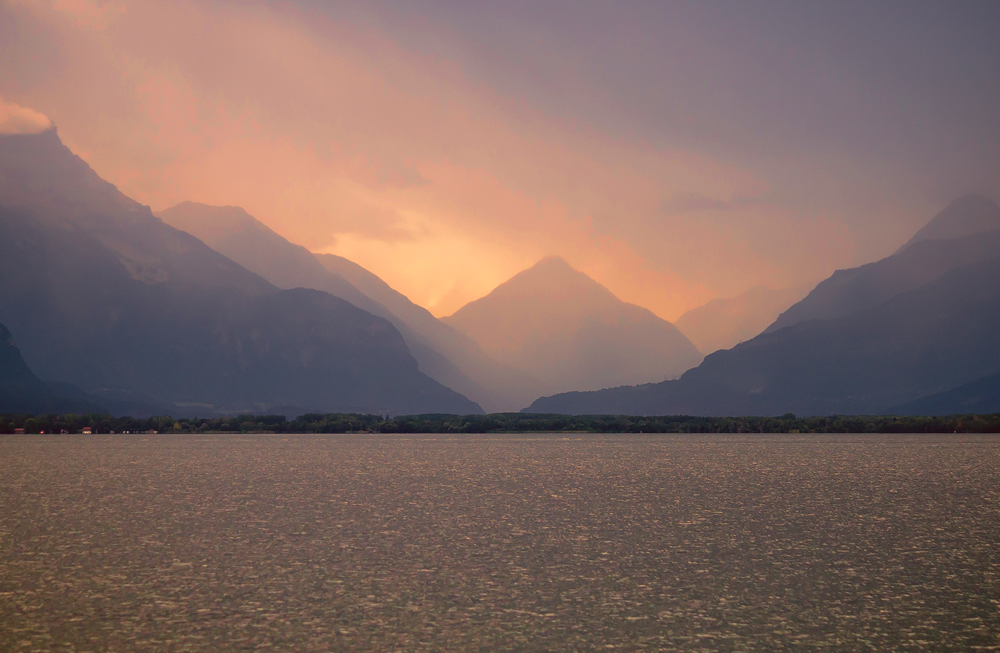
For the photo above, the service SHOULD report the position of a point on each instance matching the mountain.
(22, 392)
(102, 294)
(240, 237)
(497, 387)
(851, 291)
(571, 332)
(441, 352)
(923, 341)
(968, 215)
(722, 323)
(917, 323)
(981, 396)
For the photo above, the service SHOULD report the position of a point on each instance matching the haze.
(675, 153)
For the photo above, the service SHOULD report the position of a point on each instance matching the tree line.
(499, 423)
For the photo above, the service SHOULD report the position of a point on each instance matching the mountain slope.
(851, 291)
(102, 294)
(506, 388)
(920, 342)
(968, 215)
(23, 392)
(573, 333)
(240, 237)
(441, 352)
(722, 323)
(981, 396)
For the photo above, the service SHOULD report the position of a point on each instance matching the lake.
(502, 542)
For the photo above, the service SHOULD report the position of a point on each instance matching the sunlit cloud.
(15, 119)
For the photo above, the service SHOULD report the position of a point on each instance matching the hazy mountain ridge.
(102, 294)
(917, 342)
(571, 332)
(505, 388)
(441, 352)
(966, 216)
(867, 286)
(723, 323)
(240, 237)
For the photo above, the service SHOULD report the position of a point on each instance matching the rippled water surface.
(300, 543)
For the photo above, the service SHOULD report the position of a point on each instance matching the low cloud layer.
(16, 119)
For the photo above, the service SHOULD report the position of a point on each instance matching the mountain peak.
(968, 215)
(553, 277)
(571, 332)
(38, 171)
(552, 262)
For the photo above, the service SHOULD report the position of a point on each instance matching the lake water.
(486, 543)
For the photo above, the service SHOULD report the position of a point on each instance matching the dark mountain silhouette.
(968, 215)
(894, 345)
(102, 294)
(441, 352)
(981, 396)
(722, 323)
(862, 288)
(573, 333)
(24, 393)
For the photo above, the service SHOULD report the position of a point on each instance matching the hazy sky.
(675, 152)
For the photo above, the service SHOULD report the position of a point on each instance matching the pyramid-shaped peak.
(553, 262)
(551, 274)
(968, 215)
(551, 267)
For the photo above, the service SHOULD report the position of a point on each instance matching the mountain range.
(100, 293)
(918, 323)
(441, 352)
(573, 333)
(609, 341)
(203, 310)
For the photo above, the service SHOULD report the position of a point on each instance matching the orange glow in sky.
(346, 137)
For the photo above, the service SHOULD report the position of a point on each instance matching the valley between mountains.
(204, 310)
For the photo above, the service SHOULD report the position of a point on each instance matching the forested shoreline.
(496, 423)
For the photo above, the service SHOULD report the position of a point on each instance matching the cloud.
(683, 203)
(15, 119)
(398, 175)
(446, 150)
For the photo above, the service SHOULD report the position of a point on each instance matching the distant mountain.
(441, 352)
(722, 323)
(240, 237)
(21, 392)
(862, 288)
(886, 344)
(101, 294)
(497, 387)
(573, 333)
(966, 216)
(981, 396)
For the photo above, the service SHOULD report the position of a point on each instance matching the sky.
(675, 152)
